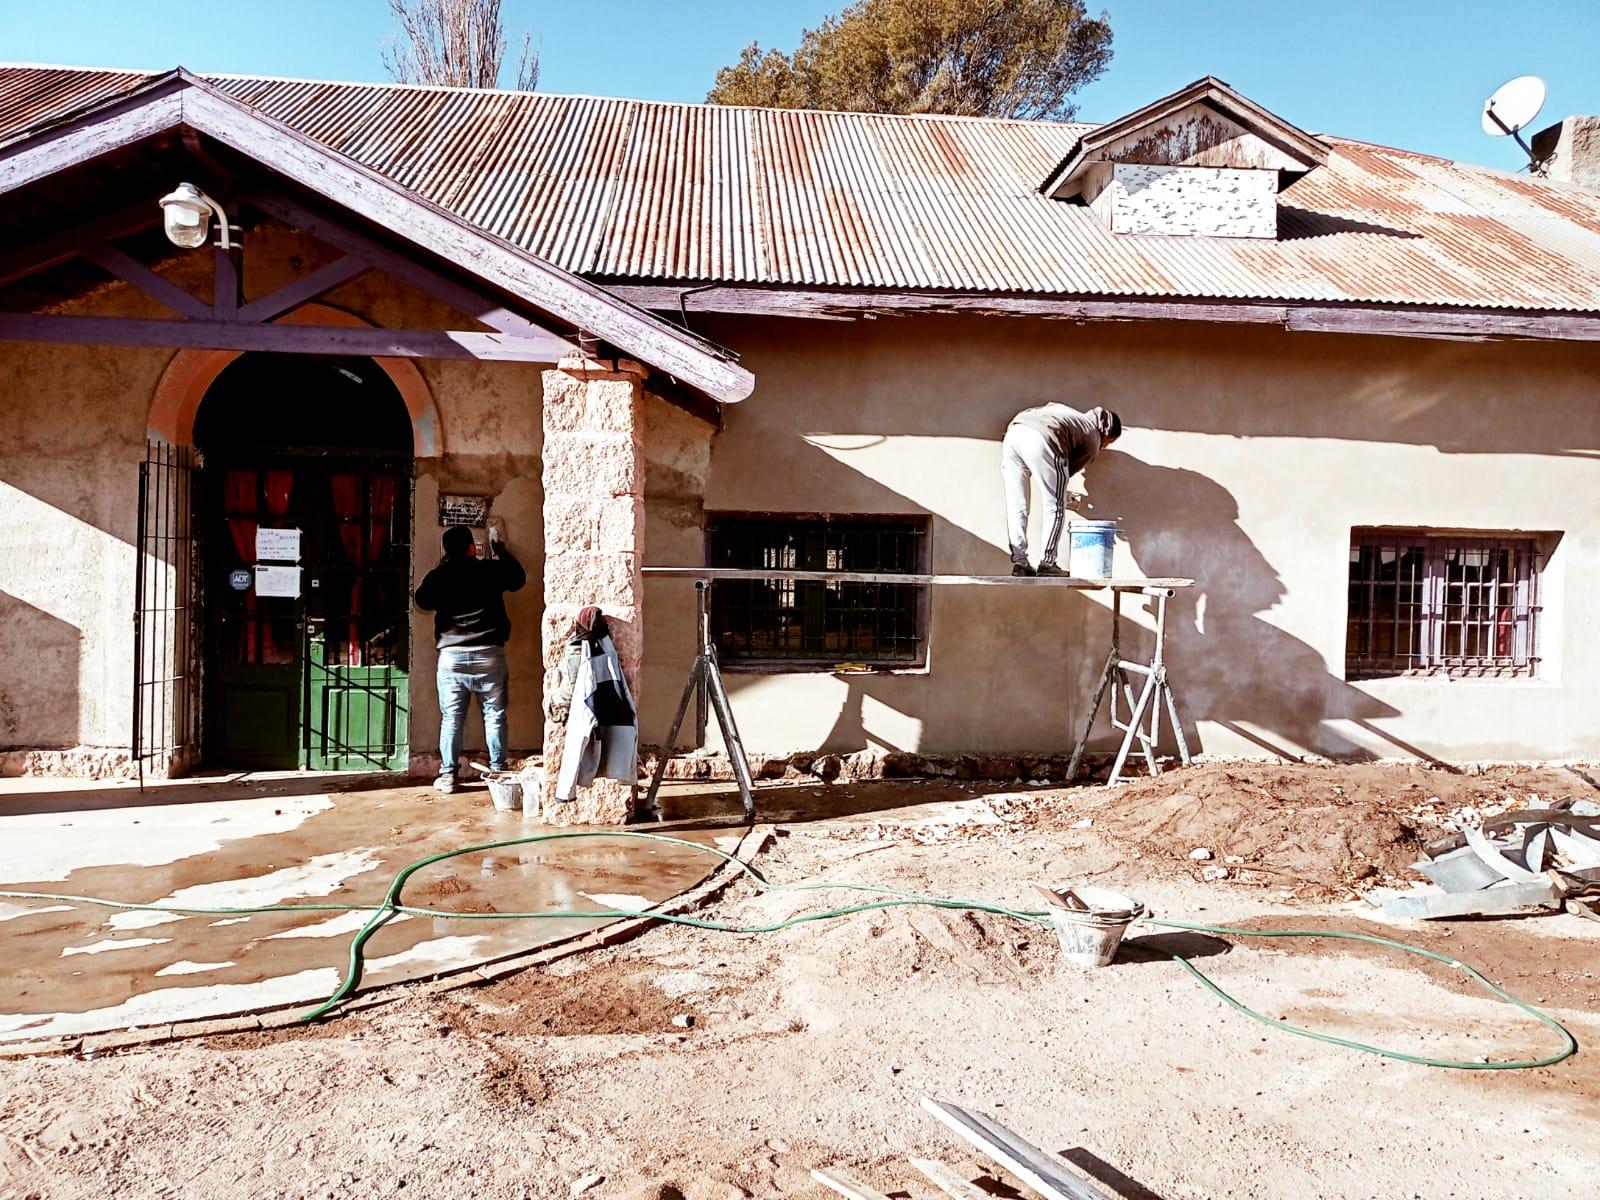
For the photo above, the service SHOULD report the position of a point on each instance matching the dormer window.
(1202, 162)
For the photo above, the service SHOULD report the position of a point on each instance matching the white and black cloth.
(602, 723)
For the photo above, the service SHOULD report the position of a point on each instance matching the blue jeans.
(463, 673)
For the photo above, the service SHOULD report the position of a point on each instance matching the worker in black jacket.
(466, 595)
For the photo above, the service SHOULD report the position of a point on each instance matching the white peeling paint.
(229, 921)
(141, 920)
(441, 952)
(315, 877)
(191, 968)
(178, 1004)
(50, 846)
(349, 922)
(10, 911)
(112, 944)
(619, 901)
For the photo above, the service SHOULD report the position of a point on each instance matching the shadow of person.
(1229, 665)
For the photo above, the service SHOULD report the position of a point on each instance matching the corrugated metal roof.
(644, 191)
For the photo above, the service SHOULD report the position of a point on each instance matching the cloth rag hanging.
(602, 724)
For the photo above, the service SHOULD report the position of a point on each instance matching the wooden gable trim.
(1272, 129)
(182, 100)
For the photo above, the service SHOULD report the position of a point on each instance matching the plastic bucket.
(505, 789)
(532, 790)
(1090, 936)
(1090, 548)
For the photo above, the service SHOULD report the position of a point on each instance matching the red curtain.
(364, 537)
(244, 493)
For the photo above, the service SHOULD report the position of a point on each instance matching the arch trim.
(189, 376)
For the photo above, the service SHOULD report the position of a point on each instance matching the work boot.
(1049, 568)
(445, 785)
(1022, 570)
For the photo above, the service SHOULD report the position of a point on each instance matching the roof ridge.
(395, 85)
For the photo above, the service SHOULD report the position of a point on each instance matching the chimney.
(1570, 151)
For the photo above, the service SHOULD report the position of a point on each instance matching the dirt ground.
(813, 1046)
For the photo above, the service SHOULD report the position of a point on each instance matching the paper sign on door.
(277, 581)
(278, 545)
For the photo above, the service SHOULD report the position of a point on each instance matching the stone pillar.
(594, 541)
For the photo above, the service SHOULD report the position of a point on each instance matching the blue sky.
(1410, 73)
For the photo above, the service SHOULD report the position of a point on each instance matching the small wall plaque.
(472, 511)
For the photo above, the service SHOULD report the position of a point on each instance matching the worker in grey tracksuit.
(1054, 443)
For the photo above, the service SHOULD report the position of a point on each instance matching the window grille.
(1440, 604)
(819, 624)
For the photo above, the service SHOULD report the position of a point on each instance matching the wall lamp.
(186, 214)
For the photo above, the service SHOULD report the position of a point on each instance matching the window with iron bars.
(817, 624)
(1442, 604)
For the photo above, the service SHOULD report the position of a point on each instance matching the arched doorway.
(304, 517)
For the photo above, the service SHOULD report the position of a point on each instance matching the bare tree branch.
(454, 43)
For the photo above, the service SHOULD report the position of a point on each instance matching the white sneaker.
(445, 784)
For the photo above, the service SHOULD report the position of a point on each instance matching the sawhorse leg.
(704, 686)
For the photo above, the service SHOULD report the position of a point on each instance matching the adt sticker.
(239, 581)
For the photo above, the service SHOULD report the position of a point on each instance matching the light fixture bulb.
(186, 214)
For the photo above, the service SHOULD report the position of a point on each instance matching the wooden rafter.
(288, 339)
(124, 266)
(304, 289)
(68, 244)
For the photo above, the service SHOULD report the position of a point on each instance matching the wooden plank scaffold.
(1144, 710)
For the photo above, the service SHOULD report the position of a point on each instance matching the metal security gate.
(166, 639)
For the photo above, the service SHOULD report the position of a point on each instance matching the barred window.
(819, 624)
(1441, 604)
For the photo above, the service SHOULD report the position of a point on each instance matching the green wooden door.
(359, 598)
(317, 679)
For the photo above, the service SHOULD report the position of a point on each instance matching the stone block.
(593, 465)
(605, 579)
(608, 405)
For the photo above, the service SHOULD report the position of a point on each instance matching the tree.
(455, 43)
(990, 58)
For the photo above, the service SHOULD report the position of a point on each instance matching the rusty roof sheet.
(643, 191)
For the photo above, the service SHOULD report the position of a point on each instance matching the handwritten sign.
(278, 545)
(277, 581)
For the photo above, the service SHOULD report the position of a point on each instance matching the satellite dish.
(1513, 106)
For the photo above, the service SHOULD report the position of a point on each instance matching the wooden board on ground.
(1048, 1174)
(846, 1185)
(947, 1181)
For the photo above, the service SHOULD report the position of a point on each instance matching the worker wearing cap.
(1053, 443)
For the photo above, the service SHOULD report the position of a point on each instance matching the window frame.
(1433, 623)
(716, 522)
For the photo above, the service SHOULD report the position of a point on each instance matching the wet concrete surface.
(245, 842)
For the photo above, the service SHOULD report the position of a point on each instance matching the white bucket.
(532, 790)
(1090, 548)
(1090, 935)
(505, 789)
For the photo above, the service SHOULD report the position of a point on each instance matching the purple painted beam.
(131, 271)
(226, 282)
(69, 243)
(308, 287)
(286, 339)
(463, 299)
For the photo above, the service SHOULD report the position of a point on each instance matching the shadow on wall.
(1229, 665)
(38, 678)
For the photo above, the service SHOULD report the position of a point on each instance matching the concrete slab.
(244, 842)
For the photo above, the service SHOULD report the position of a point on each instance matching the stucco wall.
(75, 422)
(1249, 455)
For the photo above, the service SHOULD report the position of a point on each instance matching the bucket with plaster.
(1090, 548)
(505, 789)
(1090, 922)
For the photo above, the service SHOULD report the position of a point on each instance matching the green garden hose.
(894, 898)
